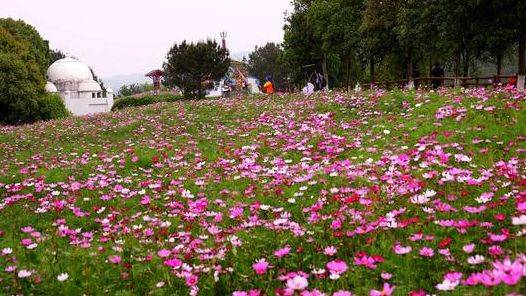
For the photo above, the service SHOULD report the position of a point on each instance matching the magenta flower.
(163, 253)
(282, 252)
(261, 266)
(509, 272)
(387, 290)
(191, 280)
(427, 252)
(342, 293)
(173, 263)
(145, 200)
(115, 259)
(336, 268)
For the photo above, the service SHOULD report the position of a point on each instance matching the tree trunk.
(349, 64)
(465, 65)
(457, 64)
(410, 70)
(371, 69)
(499, 66)
(522, 47)
(325, 73)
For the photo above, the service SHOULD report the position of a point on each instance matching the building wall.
(85, 106)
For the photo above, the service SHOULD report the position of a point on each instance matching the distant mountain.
(115, 82)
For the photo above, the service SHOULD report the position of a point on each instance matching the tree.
(38, 49)
(301, 47)
(379, 19)
(55, 55)
(194, 67)
(135, 88)
(21, 81)
(268, 59)
(517, 12)
(324, 33)
(493, 47)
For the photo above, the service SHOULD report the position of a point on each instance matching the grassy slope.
(171, 140)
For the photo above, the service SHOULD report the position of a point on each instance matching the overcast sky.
(133, 36)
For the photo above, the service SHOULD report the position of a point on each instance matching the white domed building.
(74, 82)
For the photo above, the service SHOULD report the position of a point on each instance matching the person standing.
(268, 87)
(437, 72)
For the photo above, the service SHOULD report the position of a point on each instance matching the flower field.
(372, 193)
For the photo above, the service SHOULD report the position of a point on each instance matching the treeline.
(24, 59)
(368, 40)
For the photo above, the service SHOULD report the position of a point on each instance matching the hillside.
(369, 193)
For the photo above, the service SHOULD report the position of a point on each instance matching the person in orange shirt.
(268, 87)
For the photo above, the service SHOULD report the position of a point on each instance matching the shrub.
(142, 101)
(20, 82)
(51, 106)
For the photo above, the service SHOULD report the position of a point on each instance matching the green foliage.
(126, 102)
(194, 67)
(55, 55)
(51, 106)
(135, 88)
(21, 83)
(393, 38)
(268, 59)
(24, 58)
(38, 47)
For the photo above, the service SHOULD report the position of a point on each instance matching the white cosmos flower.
(62, 277)
(7, 251)
(24, 273)
(477, 259)
(32, 246)
(521, 220)
(447, 285)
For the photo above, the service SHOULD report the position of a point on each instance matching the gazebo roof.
(155, 73)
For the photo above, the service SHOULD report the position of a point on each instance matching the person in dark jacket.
(437, 71)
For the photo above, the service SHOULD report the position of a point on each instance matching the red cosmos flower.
(155, 159)
(500, 217)
(353, 198)
(445, 242)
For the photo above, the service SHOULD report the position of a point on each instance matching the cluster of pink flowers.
(288, 197)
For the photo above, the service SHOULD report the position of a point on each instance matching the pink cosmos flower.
(509, 272)
(249, 293)
(387, 290)
(261, 266)
(282, 252)
(115, 259)
(366, 261)
(342, 293)
(163, 253)
(173, 263)
(145, 200)
(236, 212)
(427, 252)
(469, 248)
(336, 268)
(495, 250)
(191, 280)
(336, 224)
(386, 276)
(330, 251)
